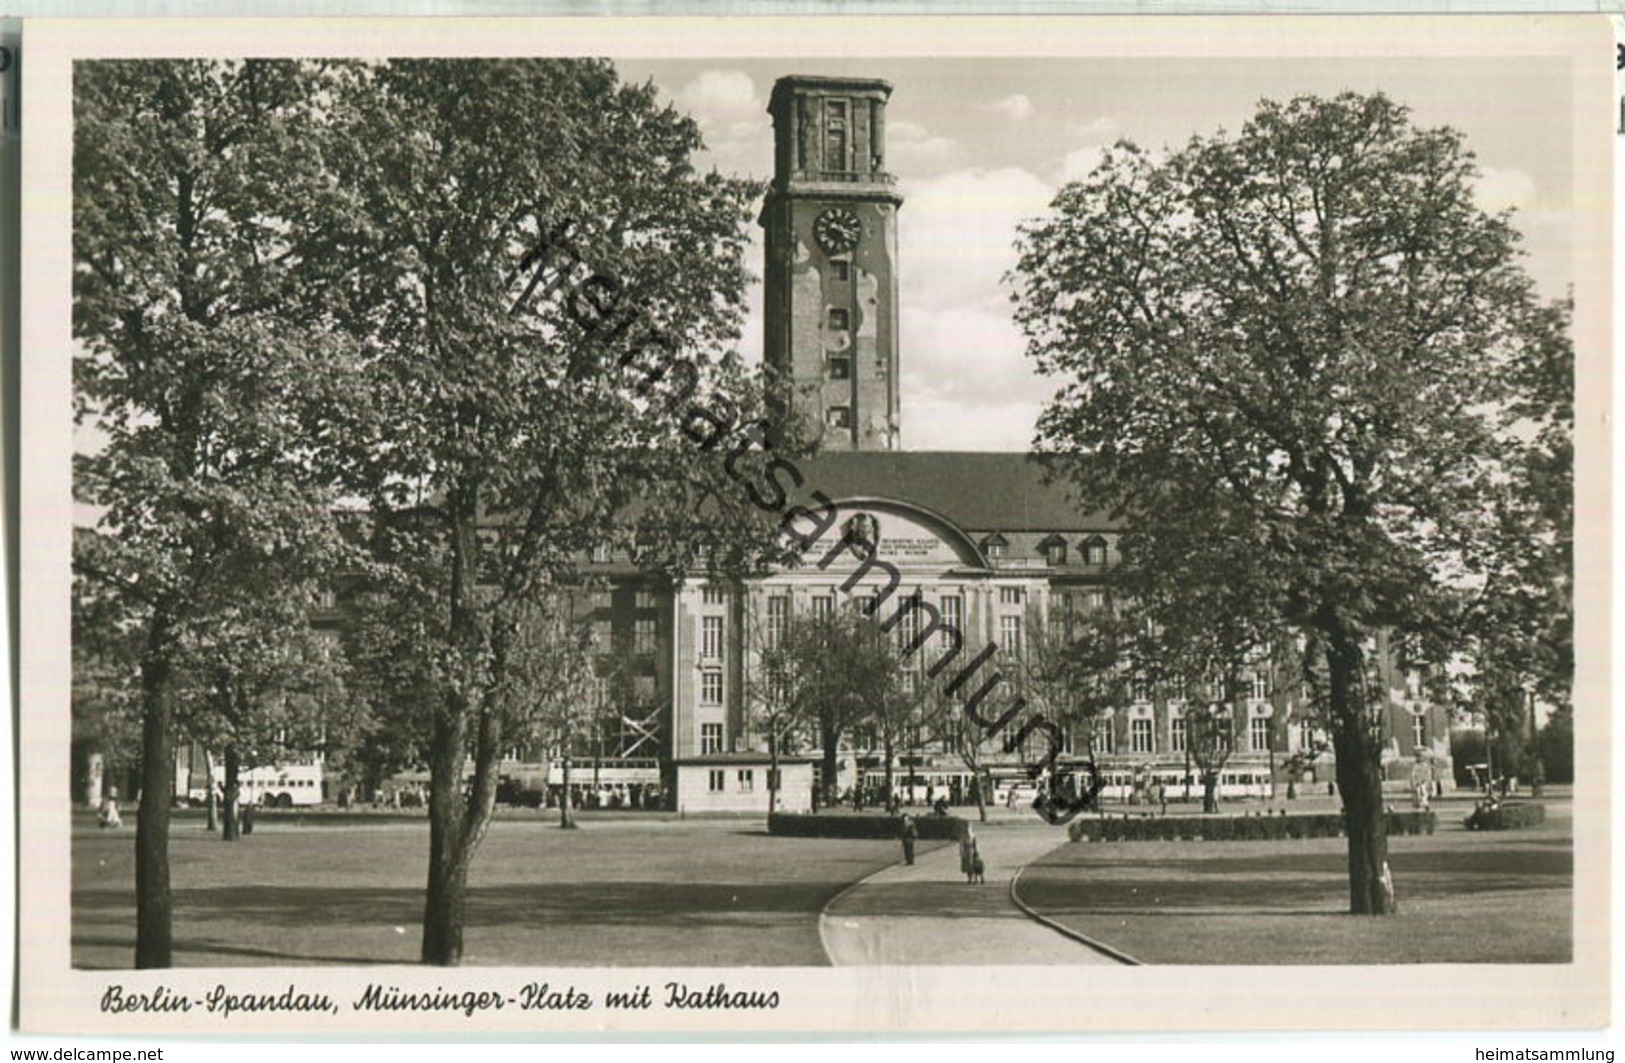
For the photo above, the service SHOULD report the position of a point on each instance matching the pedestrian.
(1162, 797)
(907, 833)
(108, 815)
(970, 857)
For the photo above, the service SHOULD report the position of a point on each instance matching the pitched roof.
(979, 491)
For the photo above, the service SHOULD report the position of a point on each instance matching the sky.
(979, 145)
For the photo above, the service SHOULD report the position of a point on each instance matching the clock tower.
(831, 279)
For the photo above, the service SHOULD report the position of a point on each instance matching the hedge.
(1236, 828)
(802, 825)
(1507, 817)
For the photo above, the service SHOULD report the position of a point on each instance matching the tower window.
(839, 319)
(840, 368)
(840, 270)
(835, 139)
(838, 417)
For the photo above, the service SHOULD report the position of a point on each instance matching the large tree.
(259, 683)
(1284, 354)
(547, 291)
(1071, 663)
(846, 676)
(771, 682)
(205, 365)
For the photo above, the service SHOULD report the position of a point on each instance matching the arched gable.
(909, 535)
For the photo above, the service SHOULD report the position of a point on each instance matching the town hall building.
(981, 537)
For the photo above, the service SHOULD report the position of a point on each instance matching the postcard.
(846, 524)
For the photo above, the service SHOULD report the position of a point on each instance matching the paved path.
(927, 914)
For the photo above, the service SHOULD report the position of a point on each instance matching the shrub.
(1514, 816)
(1237, 828)
(802, 825)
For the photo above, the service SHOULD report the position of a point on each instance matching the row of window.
(1092, 551)
(951, 607)
(744, 780)
(1143, 692)
(1142, 736)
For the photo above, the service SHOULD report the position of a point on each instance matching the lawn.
(613, 893)
(1464, 897)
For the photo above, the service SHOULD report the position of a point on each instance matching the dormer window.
(994, 546)
(1094, 551)
(1054, 549)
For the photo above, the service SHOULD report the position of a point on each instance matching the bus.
(272, 786)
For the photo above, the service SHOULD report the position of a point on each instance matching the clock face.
(837, 230)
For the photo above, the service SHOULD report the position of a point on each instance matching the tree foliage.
(1285, 357)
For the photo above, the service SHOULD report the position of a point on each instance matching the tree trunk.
(234, 794)
(1359, 783)
(772, 768)
(449, 848)
(1210, 792)
(831, 780)
(886, 751)
(153, 912)
(212, 808)
(448, 870)
(567, 816)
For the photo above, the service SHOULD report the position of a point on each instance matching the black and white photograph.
(782, 524)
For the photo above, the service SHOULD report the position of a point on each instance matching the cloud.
(1093, 137)
(957, 233)
(1102, 130)
(721, 93)
(733, 121)
(931, 422)
(1499, 189)
(1082, 162)
(1017, 108)
(974, 354)
(967, 383)
(910, 147)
